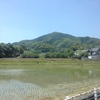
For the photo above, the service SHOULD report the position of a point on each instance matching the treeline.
(8, 50)
(44, 51)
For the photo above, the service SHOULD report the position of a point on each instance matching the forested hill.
(59, 40)
(52, 45)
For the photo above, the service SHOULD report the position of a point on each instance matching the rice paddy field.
(46, 79)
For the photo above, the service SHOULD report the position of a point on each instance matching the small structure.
(94, 53)
(79, 52)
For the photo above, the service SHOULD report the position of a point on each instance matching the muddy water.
(14, 87)
(25, 84)
(22, 75)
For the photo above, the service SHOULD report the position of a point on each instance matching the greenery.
(28, 54)
(56, 40)
(8, 50)
(53, 45)
(55, 77)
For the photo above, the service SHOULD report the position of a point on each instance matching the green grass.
(65, 76)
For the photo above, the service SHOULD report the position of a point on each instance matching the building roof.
(94, 49)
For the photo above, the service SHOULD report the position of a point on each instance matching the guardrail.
(93, 94)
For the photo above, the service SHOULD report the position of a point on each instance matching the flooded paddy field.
(46, 79)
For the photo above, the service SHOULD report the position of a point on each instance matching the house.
(79, 52)
(94, 53)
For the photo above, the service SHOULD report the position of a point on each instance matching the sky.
(29, 19)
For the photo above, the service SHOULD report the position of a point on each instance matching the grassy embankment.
(63, 76)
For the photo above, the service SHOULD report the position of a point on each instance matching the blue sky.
(29, 19)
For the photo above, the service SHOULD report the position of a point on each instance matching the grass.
(57, 77)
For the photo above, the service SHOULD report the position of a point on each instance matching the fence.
(89, 95)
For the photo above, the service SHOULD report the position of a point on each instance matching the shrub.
(28, 54)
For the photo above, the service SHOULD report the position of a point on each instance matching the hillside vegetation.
(54, 42)
(60, 40)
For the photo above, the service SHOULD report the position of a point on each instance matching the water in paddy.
(28, 84)
(14, 87)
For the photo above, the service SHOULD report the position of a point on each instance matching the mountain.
(57, 40)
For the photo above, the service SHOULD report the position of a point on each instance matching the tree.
(2, 54)
(28, 54)
(8, 50)
(70, 52)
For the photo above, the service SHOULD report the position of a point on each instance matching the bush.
(56, 55)
(28, 54)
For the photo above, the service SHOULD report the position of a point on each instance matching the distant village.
(93, 53)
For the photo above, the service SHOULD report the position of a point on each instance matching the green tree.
(70, 52)
(28, 54)
(2, 54)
